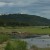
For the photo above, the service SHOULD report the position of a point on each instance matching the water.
(40, 42)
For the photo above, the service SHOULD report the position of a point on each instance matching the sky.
(33, 7)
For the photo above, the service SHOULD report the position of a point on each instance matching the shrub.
(21, 45)
(17, 45)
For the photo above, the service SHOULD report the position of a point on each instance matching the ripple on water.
(39, 42)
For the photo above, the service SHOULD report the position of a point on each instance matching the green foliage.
(16, 45)
(8, 46)
(23, 20)
(21, 45)
(3, 38)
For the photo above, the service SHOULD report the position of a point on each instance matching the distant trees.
(23, 20)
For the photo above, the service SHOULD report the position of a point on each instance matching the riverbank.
(27, 30)
(41, 41)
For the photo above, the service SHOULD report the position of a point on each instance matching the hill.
(23, 20)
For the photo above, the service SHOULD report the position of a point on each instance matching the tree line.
(23, 20)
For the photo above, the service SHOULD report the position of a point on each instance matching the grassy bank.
(18, 45)
(36, 48)
(31, 29)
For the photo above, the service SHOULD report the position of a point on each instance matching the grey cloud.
(36, 7)
(19, 3)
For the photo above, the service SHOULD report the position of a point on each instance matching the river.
(40, 42)
(43, 41)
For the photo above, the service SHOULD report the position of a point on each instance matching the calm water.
(41, 42)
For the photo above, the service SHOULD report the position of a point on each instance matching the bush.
(21, 45)
(17, 45)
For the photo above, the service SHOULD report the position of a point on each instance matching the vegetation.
(21, 45)
(36, 48)
(3, 38)
(29, 29)
(8, 46)
(16, 45)
(22, 24)
(23, 20)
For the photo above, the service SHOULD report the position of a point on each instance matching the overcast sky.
(35, 7)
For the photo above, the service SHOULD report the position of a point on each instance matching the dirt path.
(2, 46)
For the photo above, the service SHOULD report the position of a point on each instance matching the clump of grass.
(34, 47)
(16, 45)
(3, 38)
(8, 46)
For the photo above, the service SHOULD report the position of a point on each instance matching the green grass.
(44, 49)
(31, 29)
(41, 49)
(36, 48)
(35, 30)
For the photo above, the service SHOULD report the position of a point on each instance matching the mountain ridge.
(23, 20)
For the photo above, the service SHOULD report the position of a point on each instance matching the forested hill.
(23, 20)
